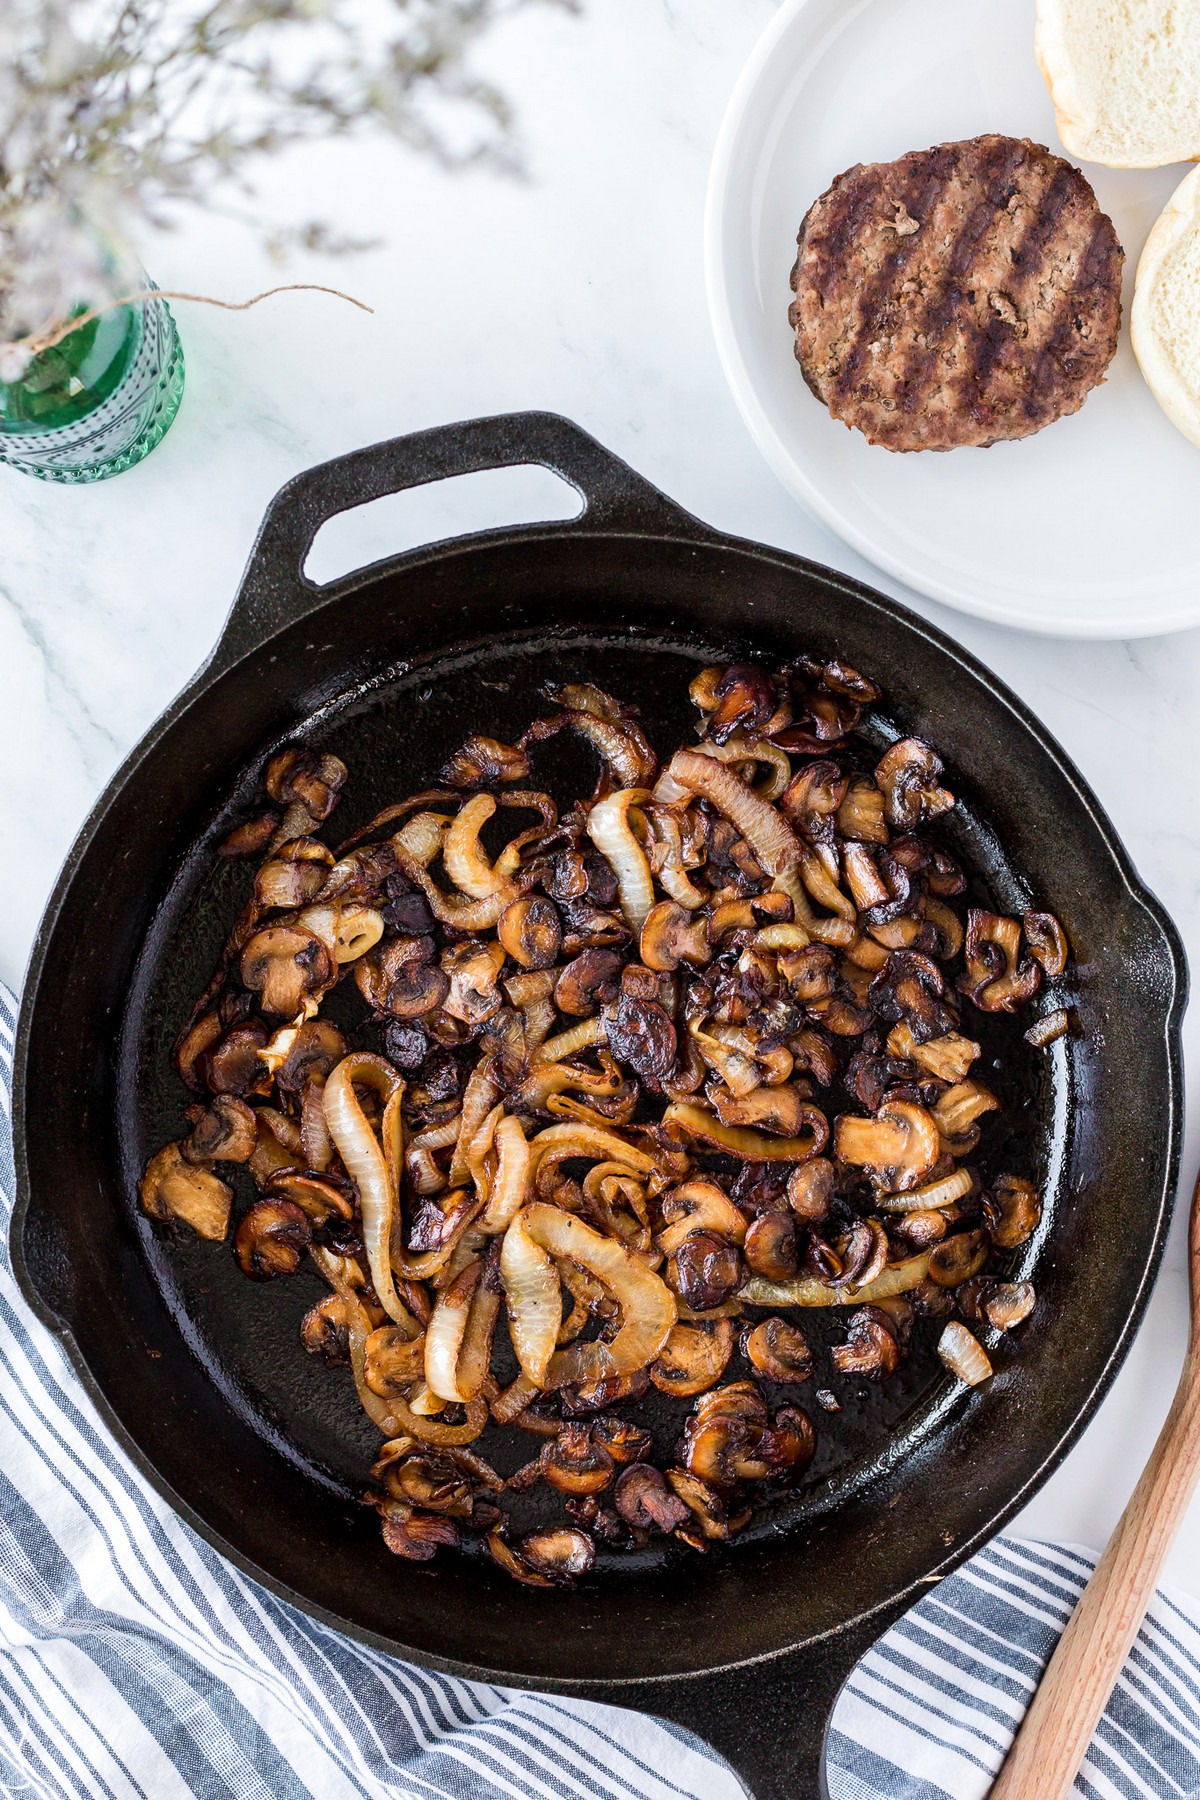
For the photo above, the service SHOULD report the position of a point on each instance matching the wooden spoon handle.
(1091, 1653)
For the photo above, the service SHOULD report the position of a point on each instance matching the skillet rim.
(699, 537)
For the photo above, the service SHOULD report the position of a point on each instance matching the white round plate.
(1089, 529)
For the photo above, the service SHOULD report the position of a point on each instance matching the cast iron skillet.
(200, 1374)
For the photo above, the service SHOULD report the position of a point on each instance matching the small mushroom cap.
(562, 1553)
(1013, 1211)
(693, 1358)
(644, 1501)
(871, 1348)
(704, 1271)
(174, 1189)
(779, 1350)
(325, 1329)
(591, 976)
(575, 1463)
(299, 776)
(226, 1131)
(473, 970)
(271, 1239)
(957, 1258)
(416, 1536)
(671, 934)
(810, 1189)
(284, 965)
(772, 1247)
(531, 931)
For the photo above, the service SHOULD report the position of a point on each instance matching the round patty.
(961, 295)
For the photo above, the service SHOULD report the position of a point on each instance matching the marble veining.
(578, 287)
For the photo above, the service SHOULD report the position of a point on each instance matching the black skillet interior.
(202, 1372)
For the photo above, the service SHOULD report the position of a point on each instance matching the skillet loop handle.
(275, 591)
(768, 1719)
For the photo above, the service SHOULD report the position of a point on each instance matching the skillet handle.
(275, 591)
(768, 1719)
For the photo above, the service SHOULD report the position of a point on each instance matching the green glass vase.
(99, 401)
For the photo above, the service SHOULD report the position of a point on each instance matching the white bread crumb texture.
(1125, 78)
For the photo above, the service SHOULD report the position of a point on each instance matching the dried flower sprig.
(114, 114)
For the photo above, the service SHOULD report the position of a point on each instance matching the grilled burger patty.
(960, 295)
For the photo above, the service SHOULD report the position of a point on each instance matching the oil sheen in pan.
(393, 733)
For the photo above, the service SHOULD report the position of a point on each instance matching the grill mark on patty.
(1061, 335)
(918, 202)
(987, 345)
(941, 315)
(892, 320)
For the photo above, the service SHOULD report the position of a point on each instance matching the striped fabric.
(135, 1664)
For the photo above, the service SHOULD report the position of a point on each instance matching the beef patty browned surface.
(960, 295)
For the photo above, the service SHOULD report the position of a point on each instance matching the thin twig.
(37, 342)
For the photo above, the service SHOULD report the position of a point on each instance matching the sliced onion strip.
(609, 829)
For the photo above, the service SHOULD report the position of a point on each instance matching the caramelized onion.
(366, 1162)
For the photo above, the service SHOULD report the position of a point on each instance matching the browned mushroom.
(643, 1500)
(909, 777)
(772, 1247)
(1047, 942)
(393, 1361)
(708, 1509)
(482, 762)
(870, 1348)
(416, 1536)
(224, 1132)
(861, 813)
(313, 1051)
(996, 980)
(174, 1189)
(957, 1258)
(286, 966)
(561, 1553)
(694, 1358)
(251, 837)
(779, 1351)
(417, 990)
(744, 699)
(590, 977)
(234, 1065)
(784, 1111)
(911, 987)
(301, 776)
(704, 1271)
(624, 1441)
(898, 1147)
(473, 970)
(1008, 1304)
(810, 1189)
(428, 1479)
(671, 935)
(575, 1463)
(531, 931)
(1012, 1212)
(325, 1328)
(271, 1239)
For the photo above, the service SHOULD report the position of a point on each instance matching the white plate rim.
(1181, 616)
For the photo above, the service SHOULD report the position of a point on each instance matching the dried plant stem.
(47, 338)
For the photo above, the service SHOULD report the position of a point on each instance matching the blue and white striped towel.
(135, 1664)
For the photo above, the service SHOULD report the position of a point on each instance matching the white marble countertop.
(579, 289)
